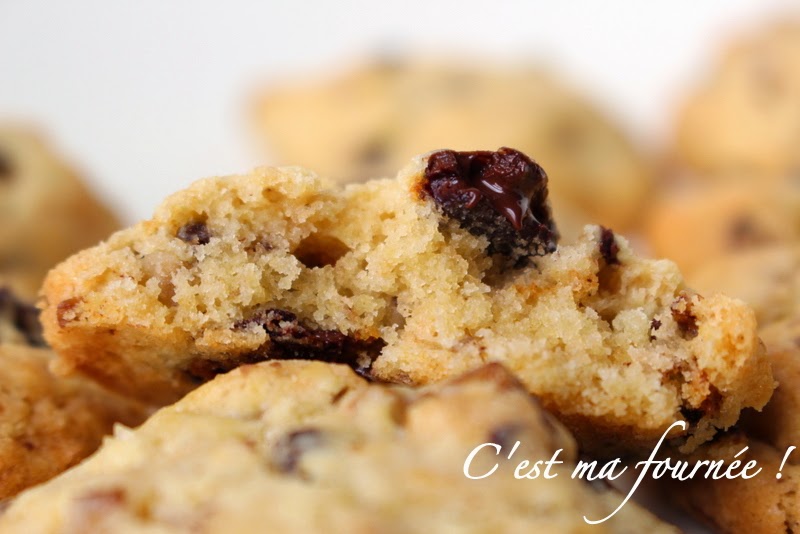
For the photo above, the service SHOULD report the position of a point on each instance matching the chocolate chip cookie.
(450, 265)
(311, 447)
(745, 118)
(371, 120)
(46, 212)
(47, 423)
(698, 224)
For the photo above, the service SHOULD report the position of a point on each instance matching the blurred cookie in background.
(760, 505)
(745, 118)
(370, 121)
(767, 278)
(694, 224)
(47, 423)
(46, 212)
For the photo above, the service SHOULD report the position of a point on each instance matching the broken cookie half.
(450, 265)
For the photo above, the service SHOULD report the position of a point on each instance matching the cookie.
(450, 265)
(698, 224)
(778, 424)
(767, 278)
(311, 447)
(765, 503)
(46, 212)
(47, 424)
(371, 120)
(745, 118)
(760, 505)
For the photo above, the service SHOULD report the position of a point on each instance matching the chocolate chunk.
(195, 233)
(500, 195)
(655, 324)
(6, 167)
(608, 246)
(291, 338)
(686, 320)
(291, 447)
(23, 316)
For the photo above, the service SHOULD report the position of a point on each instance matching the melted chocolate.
(291, 338)
(501, 195)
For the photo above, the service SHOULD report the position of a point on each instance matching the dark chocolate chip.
(6, 167)
(23, 316)
(500, 195)
(194, 233)
(291, 447)
(608, 246)
(686, 320)
(655, 324)
(293, 339)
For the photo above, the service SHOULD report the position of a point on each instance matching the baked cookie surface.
(370, 121)
(416, 279)
(47, 423)
(46, 213)
(312, 447)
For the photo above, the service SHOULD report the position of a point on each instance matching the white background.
(148, 96)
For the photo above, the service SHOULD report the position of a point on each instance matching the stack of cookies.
(333, 352)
